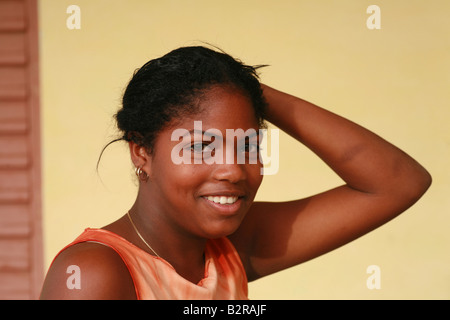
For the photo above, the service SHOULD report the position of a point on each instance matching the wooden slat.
(13, 117)
(21, 260)
(14, 186)
(14, 220)
(15, 286)
(14, 255)
(12, 49)
(13, 83)
(12, 15)
(14, 152)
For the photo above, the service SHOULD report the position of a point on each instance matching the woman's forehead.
(224, 108)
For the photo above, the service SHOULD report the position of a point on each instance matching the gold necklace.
(137, 232)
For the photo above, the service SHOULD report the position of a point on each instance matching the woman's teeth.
(222, 199)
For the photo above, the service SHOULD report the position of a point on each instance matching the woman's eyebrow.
(206, 133)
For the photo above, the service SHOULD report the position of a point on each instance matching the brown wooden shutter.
(21, 261)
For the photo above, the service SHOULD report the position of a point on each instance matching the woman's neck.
(184, 251)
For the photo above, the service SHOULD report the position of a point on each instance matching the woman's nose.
(232, 172)
(231, 169)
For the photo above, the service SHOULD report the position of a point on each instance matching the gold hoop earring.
(141, 174)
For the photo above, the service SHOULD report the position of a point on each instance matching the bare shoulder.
(88, 271)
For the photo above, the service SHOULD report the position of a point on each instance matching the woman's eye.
(199, 147)
(251, 147)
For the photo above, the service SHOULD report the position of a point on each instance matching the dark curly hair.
(167, 88)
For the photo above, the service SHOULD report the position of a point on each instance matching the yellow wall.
(394, 80)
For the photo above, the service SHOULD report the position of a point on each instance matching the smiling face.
(206, 200)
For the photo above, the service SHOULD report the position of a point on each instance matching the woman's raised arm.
(381, 181)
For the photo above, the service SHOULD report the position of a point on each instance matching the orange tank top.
(155, 278)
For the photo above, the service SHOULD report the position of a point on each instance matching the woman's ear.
(141, 160)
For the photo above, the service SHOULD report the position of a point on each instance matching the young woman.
(194, 231)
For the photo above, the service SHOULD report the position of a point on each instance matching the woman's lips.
(222, 199)
(228, 205)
